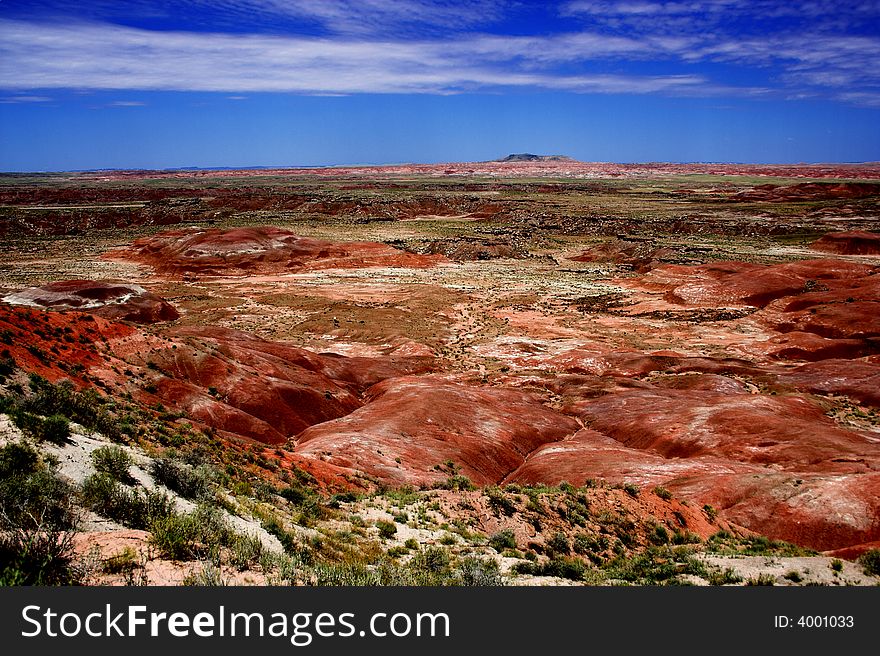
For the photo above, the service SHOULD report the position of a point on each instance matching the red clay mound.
(811, 191)
(789, 433)
(857, 379)
(240, 251)
(111, 300)
(774, 464)
(601, 362)
(638, 255)
(267, 391)
(855, 242)
(798, 345)
(57, 345)
(751, 284)
(821, 511)
(589, 454)
(412, 426)
(846, 313)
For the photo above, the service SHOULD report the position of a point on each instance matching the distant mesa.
(853, 242)
(260, 250)
(111, 300)
(529, 157)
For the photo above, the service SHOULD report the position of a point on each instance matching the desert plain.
(530, 371)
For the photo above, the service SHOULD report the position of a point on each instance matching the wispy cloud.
(370, 16)
(112, 57)
(11, 100)
(127, 103)
(369, 46)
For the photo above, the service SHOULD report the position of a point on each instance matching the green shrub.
(55, 429)
(685, 537)
(38, 521)
(663, 493)
(503, 539)
(32, 495)
(457, 482)
(433, 560)
(656, 565)
(245, 551)
(124, 562)
(499, 502)
(287, 539)
(659, 536)
(761, 580)
(559, 543)
(727, 576)
(189, 482)
(590, 545)
(631, 489)
(194, 535)
(133, 508)
(42, 556)
(208, 576)
(870, 561)
(472, 571)
(387, 530)
(113, 461)
(561, 567)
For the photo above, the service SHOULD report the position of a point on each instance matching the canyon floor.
(534, 373)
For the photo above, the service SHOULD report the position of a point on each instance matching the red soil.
(640, 256)
(412, 425)
(855, 242)
(857, 379)
(57, 345)
(239, 251)
(266, 391)
(761, 460)
(741, 283)
(111, 300)
(811, 191)
(822, 511)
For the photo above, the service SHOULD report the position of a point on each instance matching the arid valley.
(533, 371)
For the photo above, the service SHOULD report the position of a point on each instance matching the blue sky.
(106, 84)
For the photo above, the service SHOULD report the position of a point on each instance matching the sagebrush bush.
(134, 508)
(559, 543)
(194, 535)
(870, 561)
(387, 530)
(560, 566)
(113, 461)
(503, 539)
(189, 482)
(38, 521)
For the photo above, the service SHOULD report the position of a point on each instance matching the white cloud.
(11, 100)
(103, 56)
(97, 56)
